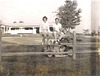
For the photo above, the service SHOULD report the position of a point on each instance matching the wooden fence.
(39, 53)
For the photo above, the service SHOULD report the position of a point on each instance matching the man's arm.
(54, 27)
(48, 28)
(60, 28)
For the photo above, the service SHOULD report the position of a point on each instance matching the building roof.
(20, 25)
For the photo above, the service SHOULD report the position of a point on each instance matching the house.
(16, 28)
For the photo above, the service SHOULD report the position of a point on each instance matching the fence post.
(74, 45)
(0, 42)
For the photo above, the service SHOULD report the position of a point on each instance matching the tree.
(14, 22)
(69, 15)
(86, 31)
(21, 21)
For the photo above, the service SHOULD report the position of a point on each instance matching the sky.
(29, 11)
(32, 11)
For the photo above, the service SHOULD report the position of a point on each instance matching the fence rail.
(46, 53)
(33, 53)
(42, 53)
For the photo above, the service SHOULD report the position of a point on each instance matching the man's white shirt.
(57, 27)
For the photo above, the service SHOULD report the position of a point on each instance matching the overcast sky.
(31, 11)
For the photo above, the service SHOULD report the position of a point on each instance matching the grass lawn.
(40, 65)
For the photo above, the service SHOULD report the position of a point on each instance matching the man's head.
(44, 19)
(56, 20)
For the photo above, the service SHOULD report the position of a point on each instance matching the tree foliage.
(69, 14)
(21, 21)
(14, 22)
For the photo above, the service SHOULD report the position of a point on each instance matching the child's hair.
(45, 18)
(56, 18)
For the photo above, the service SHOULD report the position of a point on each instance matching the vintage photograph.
(49, 38)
